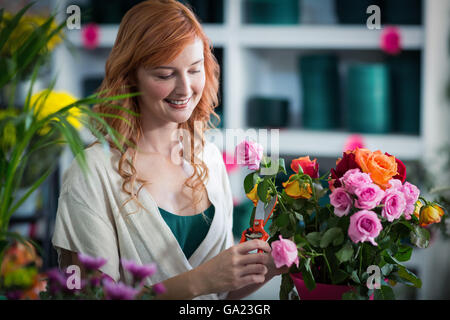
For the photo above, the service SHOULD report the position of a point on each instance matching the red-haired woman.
(165, 197)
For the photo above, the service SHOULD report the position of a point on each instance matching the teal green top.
(189, 230)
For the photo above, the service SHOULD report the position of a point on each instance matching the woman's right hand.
(234, 268)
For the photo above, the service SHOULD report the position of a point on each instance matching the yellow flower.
(52, 103)
(28, 23)
(253, 195)
(293, 190)
(429, 214)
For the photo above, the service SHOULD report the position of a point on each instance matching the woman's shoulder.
(85, 174)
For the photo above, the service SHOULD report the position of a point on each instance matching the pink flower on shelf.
(90, 36)
(341, 201)
(391, 40)
(284, 253)
(230, 163)
(364, 226)
(354, 179)
(369, 196)
(249, 153)
(354, 141)
(394, 204)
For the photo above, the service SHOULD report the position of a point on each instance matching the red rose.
(344, 164)
(401, 169)
(311, 168)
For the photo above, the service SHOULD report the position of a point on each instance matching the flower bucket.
(321, 292)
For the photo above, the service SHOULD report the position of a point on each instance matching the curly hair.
(152, 33)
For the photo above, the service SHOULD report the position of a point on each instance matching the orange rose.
(381, 167)
(293, 190)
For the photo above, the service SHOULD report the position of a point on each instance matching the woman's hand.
(235, 268)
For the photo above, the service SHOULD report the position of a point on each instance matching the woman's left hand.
(272, 270)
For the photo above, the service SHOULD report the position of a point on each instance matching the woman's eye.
(195, 71)
(163, 77)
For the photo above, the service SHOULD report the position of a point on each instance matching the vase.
(321, 291)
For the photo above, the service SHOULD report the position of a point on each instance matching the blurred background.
(323, 72)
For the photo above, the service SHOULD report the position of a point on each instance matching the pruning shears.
(262, 215)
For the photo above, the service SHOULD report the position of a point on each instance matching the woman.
(168, 199)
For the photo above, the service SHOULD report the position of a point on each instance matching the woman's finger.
(254, 258)
(257, 269)
(251, 245)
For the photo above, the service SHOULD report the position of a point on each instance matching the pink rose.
(395, 184)
(364, 226)
(249, 153)
(341, 201)
(354, 179)
(369, 196)
(411, 193)
(394, 204)
(284, 252)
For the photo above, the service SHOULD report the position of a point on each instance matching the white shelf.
(294, 142)
(300, 37)
(324, 37)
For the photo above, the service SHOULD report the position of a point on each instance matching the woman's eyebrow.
(166, 67)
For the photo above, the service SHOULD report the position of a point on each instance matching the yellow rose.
(293, 190)
(430, 214)
(253, 195)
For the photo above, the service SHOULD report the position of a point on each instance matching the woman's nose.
(183, 86)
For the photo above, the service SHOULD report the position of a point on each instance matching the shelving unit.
(262, 59)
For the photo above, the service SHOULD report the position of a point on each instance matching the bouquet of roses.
(373, 220)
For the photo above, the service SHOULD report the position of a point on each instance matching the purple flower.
(56, 281)
(369, 196)
(91, 263)
(411, 193)
(341, 201)
(159, 288)
(354, 179)
(394, 204)
(139, 272)
(118, 291)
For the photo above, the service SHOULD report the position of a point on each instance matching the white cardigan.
(90, 219)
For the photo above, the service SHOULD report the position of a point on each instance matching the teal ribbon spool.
(406, 97)
(271, 11)
(407, 12)
(264, 112)
(354, 11)
(320, 92)
(368, 94)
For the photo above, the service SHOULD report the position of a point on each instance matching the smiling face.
(171, 92)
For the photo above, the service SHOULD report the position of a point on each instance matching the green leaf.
(307, 275)
(314, 238)
(263, 188)
(403, 253)
(345, 253)
(282, 220)
(409, 276)
(339, 276)
(334, 235)
(248, 182)
(281, 166)
(420, 237)
(384, 293)
(286, 286)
